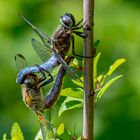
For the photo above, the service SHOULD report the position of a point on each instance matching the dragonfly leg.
(43, 74)
(78, 26)
(81, 34)
(46, 82)
(49, 80)
(73, 50)
(78, 23)
(41, 80)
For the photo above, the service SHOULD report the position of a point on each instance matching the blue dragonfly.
(54, 49)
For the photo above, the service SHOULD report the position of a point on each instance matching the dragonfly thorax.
(61, 40)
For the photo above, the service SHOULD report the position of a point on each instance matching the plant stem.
(88, 110)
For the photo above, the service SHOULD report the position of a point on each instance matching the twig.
(88, 110)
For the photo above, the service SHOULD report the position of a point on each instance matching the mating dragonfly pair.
(53, 53)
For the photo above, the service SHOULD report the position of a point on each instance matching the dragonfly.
(55, 48)
(31, 90)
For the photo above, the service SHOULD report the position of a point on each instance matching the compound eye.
(29, 81)
(67, 21)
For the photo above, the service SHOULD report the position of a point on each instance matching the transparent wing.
(46, 126)
(46, 39)
(43, 52)
(71, 72)
(47, 131)
(20, 61)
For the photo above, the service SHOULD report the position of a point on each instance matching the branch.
(88, 110)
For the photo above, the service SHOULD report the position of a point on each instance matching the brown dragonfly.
(55, 48)
(31, 91)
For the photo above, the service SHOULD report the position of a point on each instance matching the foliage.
(16, 133)
(70, 103)
(74, 99)
(74, 96)
(117, 26)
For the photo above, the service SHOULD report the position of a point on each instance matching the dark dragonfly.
(31, 90)
(57, 45)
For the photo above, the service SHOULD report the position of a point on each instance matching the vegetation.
(116, 25)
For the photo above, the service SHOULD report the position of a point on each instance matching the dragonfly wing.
(68, 69)
(46, 39)
(20, 61)
(43, 52)
(43, 130)
(46, 126)
(46, 133)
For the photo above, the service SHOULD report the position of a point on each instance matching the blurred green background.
(117, 25)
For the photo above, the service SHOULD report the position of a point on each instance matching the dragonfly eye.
(67, 20)
(29, 80)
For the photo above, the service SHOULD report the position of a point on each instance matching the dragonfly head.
(29, 80)
(67, 20)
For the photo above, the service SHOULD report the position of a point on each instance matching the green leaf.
(45, 132)
(75, 62)
(99, 78)
(72, 92)
(95, 64)
(79, 138)
(105, 87)
(70, 103)
(4, 137)
(39, 135)
(55, 71)
(16, 133)
(78, 83)
(96, 43)
(60, 129)
(98, 82)
(63, 133)
(71, 82)
(116, 64)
